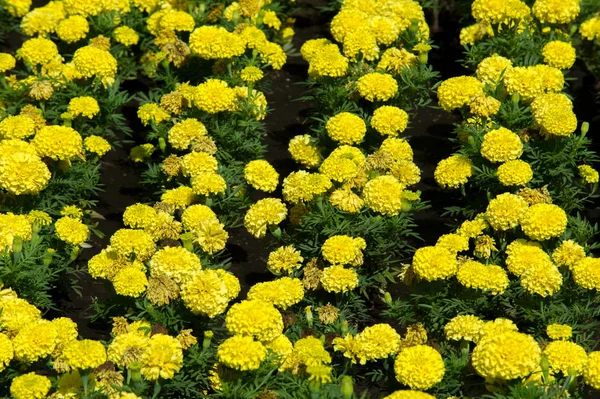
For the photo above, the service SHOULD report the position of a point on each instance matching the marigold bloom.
(339, 279)
(419, 367)
(261, 175)
(559, 331)
(463, 327)
(30, 386)
(241, 353)
(163, 358)
(543, 221)
(505, 211)
(434, 263)
(454, 171)
(456, 92)
(377, 86)
(255, 318)
(566, 357)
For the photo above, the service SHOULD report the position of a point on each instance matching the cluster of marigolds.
(339, 224)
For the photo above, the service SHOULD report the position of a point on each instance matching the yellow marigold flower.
(566, 357)
(251, 74)
(141, 152)
(17, 8)
(404, 394)
(40, 218)
(419, 367)
(556, 11)
(83, 7)
(163, 358)
(347, 20)
(568, 253)
(17, 313)
(383, 194)
(490, 69)
(270, 19)
(71, 230)
(559, 331)
(194, 163)
(128, 241)
(214, 42)
(588, 174)
(586, 273)
(193, 215)
(394, 60)
(126, 36)
(282, 293)
(264, 213)
(179, 197)
(515, 173)
(30, 386)
(590, 29)
(524, 81)
(544, 221)
(343, 163)
(66, 330)
(91, 62)
(176, 263)
(434, 263)
(484, 106)
(373, 343)
(17, 127)
(284, 260)
(130, 281)
(72, 29)
(473, 228)
(389, 121)
(261, 175)
(138, 216)
(344, 250)
(7, 62)
(214, 96)
(97, 145)
(471, 34)
(499, 11)
(501, 145)
(506, 355)
(346, 128)
(272, 54)
(23, 173)
(185, 133)
(363, 42)
(255, 318)
(505, 211)
(35, 341)
(456, 92)
(303, 150)
(377, 86)
(311, 48)
(84, 106)
(176, 21)
(281, 347)
(207, 183)
(559, 54)
(453, 171)
(463, 327)
(553, 79)
(58, 142)
(478, 276)
(591, 372)
(127, 348)
(522, 254)
(307, 351)
(152, 113)
(453, 242)
(346, 200)
(543, 279)
(12, 226)
(84, 354)
(241, 353)
(339, 279)
(328, 61)
(206, 293)
(37, 51)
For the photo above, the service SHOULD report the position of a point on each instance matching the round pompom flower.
(58, 142)
(128, 241)
(591, 372)
(255, 318)
(559, 331)
(126, 36)
(453, 242)
(130, 281)
(241, 353)
(163, 358)
(559, 54)
(556, 11)
(389, 121)
(339, 279)
(84, 354)
(523, 254)
(456, 92)
(37, 51)
(383, 194)
(85, 106)
(501, 145)
(261, 175)
(434, 263)
(454, 171)
(7, 62)
(282, 293)
(490, 69)
(505, 211)
(404, 394)
(568, 253)
(527, 82)
(23, 173)
(185, 133)
(343, 250)
(6, 351)
(206, 293)
(463, 327)
(506, 356)
(543, 221)
(35, 341)
(478, 276)
(284, 260)
(377, 86)
(586, 273)
(264, 213)
(214, 42)
(71, 230)
(17, 127)
(304, 151)
(73, 28)
(542, 278)
(92, 61)
(588, 174)
(96, 145)
(515, 173)
(419, 367)
(566, 357)
(375, 342)
(30, 386)
(346, 128)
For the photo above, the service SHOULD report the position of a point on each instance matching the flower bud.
(309, 315)
(162, 144)
(585, 127)
(17, 246)
(74, 254)
(423, 57)
(387, 296)
(344, 327)
(347, 387)
(47, 258)
(207, 338)
(515, 98)
(135, 371)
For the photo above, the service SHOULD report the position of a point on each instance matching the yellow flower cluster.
(261, 175)
(373, 343)
(346, 128)
(343, 250)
